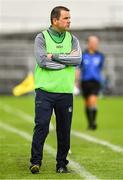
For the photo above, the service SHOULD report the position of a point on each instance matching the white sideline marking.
(17, 112)
(84, 136)
(21, 114)
(74, 165)
(81, 171)
(89, 138)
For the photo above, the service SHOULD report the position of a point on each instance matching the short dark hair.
(55, 13)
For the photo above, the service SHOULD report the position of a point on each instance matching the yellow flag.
(26, 86)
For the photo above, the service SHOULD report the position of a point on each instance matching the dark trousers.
(45, 102)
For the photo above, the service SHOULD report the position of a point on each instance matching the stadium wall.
(17, 57)
(30, 15)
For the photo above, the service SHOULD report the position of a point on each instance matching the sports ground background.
(95, 154)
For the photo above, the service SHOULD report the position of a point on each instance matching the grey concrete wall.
(17, 58)
(30, 15)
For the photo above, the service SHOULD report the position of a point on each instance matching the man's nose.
(69, 21)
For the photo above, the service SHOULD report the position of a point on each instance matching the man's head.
(60, 18)
(93, 43)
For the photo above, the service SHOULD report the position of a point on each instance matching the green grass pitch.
(102, 161)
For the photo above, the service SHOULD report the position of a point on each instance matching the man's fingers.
(49, 56)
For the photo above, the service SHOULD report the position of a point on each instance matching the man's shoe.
(62, 170)
(92, 127)
(34, 168)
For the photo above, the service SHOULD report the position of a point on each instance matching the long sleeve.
(41, 55)
(70, 59)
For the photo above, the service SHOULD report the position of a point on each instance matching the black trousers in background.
(45, 102)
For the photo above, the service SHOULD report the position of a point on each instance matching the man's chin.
(67, 28)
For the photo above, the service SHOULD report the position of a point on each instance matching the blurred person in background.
(57, 53)
(90, 78)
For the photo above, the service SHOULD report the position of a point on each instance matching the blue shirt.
(91, 66)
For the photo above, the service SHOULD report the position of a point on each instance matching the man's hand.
(49, 56)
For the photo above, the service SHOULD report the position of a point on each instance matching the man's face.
(63, 23)
(93, 43)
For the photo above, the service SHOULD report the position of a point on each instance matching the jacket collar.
(56, 33)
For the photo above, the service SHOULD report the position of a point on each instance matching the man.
(57, 53)
(90, 77)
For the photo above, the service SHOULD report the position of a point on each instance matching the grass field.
(95, 155)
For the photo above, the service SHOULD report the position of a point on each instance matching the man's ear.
(55, 21)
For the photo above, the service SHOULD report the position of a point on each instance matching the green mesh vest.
(56, 81)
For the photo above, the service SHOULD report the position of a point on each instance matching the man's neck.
(57, 29)
(91, 51)
(55, 32)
